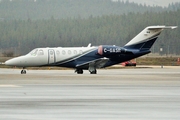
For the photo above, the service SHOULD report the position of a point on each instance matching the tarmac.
(143, 93)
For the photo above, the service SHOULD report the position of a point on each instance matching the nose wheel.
(23, 71)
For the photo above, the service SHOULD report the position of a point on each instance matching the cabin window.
(41, 52)
(75, 52)
(63, 52)
(80, 52)
(69, 52)
(57, 52)
(51, 53)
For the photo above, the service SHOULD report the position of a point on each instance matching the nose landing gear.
(23, 71)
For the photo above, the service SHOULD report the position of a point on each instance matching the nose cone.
(7, 62)
(15, 62)
(11, 62)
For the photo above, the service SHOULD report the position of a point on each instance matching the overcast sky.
(153, 2)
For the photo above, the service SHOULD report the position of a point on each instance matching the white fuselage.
(49, 56)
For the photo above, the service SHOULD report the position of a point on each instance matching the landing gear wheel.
(79, 71)
(23, 71)
(94, 72)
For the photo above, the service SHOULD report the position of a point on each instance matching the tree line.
(60, 9)
(21, 36)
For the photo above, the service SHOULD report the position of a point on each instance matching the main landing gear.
(93, 72)
(23, 71)
(80, 71)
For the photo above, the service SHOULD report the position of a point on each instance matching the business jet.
(91, 57)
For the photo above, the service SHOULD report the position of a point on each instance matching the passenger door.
(51, 58)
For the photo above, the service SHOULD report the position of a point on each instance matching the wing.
(98, 63)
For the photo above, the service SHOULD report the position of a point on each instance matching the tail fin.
(146, 38)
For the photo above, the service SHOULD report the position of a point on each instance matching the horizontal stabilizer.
(161, 27)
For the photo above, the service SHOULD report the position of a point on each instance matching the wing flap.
(98, 63)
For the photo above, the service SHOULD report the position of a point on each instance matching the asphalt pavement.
(112, 94)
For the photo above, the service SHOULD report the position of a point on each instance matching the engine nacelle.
(106, 50)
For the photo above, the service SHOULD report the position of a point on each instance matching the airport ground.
(142, 93)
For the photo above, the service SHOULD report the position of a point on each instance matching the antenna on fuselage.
(89, 45)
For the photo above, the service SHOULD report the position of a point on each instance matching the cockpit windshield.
(34, 52)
